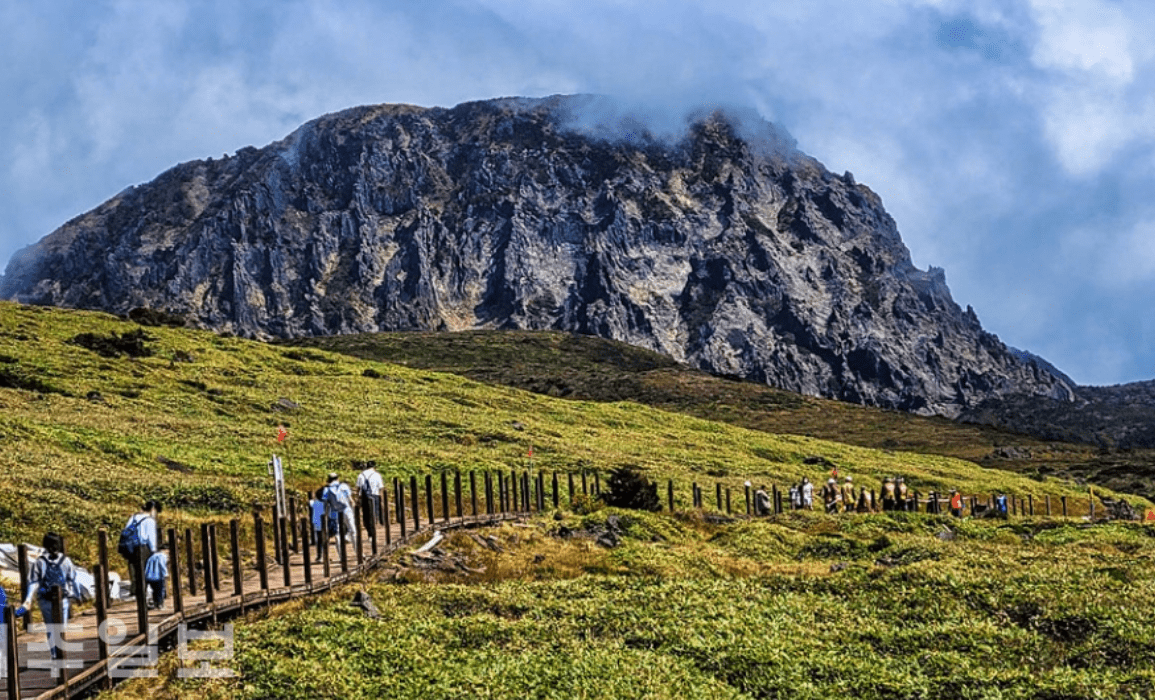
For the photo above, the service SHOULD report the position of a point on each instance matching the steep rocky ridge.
(727, 250)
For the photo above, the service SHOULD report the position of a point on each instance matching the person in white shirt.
(339, 498)
(369, 485)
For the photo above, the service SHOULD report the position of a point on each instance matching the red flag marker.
(282, 433)
(531, 451)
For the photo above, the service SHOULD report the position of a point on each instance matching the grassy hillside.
(592, 369)
(802, 606)
(191, 419)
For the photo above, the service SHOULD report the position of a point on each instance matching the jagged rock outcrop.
(727, 250)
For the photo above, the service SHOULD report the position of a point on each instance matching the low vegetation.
(591, 601)
(797, 606)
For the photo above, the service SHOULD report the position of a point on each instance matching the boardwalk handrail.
(511, 497)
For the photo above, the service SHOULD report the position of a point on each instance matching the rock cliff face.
(727, 250)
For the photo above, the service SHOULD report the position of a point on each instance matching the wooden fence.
(111, 641)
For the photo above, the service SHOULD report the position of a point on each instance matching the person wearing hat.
(831, 496)
(888, 494)
(902, 495)
(807, 490)
(848, 500)
(956, 503)
(369, 486)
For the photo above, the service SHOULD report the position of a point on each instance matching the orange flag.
(282, 433)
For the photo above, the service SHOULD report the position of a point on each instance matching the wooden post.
(306, 527)
(432, 518)
(541, 490)
(597, 484)
(11, 652)
(399, 491)
(22, 563)
(276, 533)
(284, 525)
(514, 487)
(259, 534)
(718, 495)
(292, 518)
(502, 493)
(457, 494)
(374, 516)
(342, 549)
(325, 564)
(100, 573)
(555, 499)
(473, 491)
(216, 555)
(1091, 501)
(358, 543)
(142, 595)
(569, 478)
(191, 561)
(1031, 503)
(444, 497)
(728, 510)
(58, 617)
(174, 561)
(1064, 500)
(694, 496)
(1048, 497)
(488, 494)
(748, 511)
(585, 485)
(1014, 505)
(416, 508)
(207, 564)
(235, 554)
(102, 560)
(385, 510)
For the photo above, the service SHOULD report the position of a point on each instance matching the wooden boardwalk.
(130, 649)
(134, 636)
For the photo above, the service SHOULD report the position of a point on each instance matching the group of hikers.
(331, 507)
(894, 495)
(52, 576)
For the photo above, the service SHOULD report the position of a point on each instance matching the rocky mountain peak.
(724, 248)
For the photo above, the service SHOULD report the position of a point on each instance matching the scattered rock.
(285, 405)
(363, 600)
(835, 568)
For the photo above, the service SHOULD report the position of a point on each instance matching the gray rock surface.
(727, 250)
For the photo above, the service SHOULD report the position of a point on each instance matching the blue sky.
(1013, 142)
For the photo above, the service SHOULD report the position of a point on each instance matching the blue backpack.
(129, 538)
(53, 577)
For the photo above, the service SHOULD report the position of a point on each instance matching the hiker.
(52, 578)
(831, 495)
(795, 496)
(762, 501)
(956, 503)
(848, 501)
(902, 496)
(865, 501)
(369, 485)
(1001, 505)
(339, 498)
(317, 510)
(138, 541)
(155, 575)
(888, 494)
(807, 490)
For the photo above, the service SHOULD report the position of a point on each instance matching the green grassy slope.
(587, 368)
(84, 437)
(802, 606)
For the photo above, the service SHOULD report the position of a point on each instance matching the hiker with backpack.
(51, 579)
(138, 541)
(339, 498)
(369, 485)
